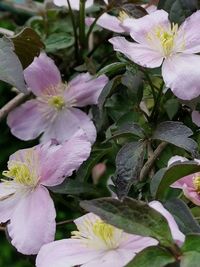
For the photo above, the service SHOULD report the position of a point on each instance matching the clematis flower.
(158, 42)
(24, 199)
(73, 3)
(190, 184)
(94, 244)
(115, 24)
(54, 111)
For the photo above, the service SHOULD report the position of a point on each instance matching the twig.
(150, 162)
(64, 222)
(12, 104)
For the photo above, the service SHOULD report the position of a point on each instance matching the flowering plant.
(99, 133)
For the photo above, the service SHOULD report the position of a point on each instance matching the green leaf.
(129, 162)
(167, 176)
(192, 243)
(152, 256)
(10, 67)
(190, 259)
(129, 128)
(183, 216)
(134, 217)
(177, 134)
(172, 106)
(73, 187)
(84, 171)
(27, 46)
(58, 41)
(178, 10)
(112, 68)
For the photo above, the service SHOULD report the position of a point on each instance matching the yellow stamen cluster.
(105, 232)
(123, 15)
(57, 102)
(196, 183)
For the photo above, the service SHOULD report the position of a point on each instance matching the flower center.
(25, 172)
(196, 182)
(99, 235)
(165, 37)
(57, 102)
(123, 15)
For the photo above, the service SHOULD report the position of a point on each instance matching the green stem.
(93, 24)
(74, 30)
(151, 85)
(82, 38)
(157, 102)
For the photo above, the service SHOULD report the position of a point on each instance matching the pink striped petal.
(42, 74)
(140, 54)
(26, 121)
(33, 222)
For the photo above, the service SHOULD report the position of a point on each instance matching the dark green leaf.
(134, 217)
(129, 162)
(112, 68)
(183, 216)
(57, 41)
(190, 259)
(167, 176)
(192, 243)
(172, 106)
(10, 67)
(85, 170)
(152, 256)
(129, 128)
(27, 46)
(177, 134)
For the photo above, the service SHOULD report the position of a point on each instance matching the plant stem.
(74, 30)
(64, 222)
(82, 38)
(150, 162)
(157, 102)
(94, 23)
(20, 98)
(151, 85)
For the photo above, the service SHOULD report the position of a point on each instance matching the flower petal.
(85, 89)
(192, 195)
(65, 253)
(176, 158)
(196, 117)
(140, 54)
(177, 235)
(140, 28)
(26, 121)
(42, 74)
(74, 3)
(175, 71)
(109, 22)
(185, 181)
(189, 34)
(67, 123)
(61, 162)
(32, 223)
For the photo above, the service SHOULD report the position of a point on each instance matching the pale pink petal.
(60, 163)
(66, 253)
(26, 121)
(189, 34)
(42, 74)
(185, 181)
(8, 200)
(74, 3)
(85, 89)
(141, 28)
(177, 235)
(107, 21)
(67, 123)
(196, 117)
(192, 195)
(140, 54)
(175, 71)
(32, 223)
(176, 158)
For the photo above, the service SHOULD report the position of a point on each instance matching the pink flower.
(24, 198)
(160, 43)
(94, 244)
(74, 3)
(177, 235)
(54, 111)
(113, 23)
